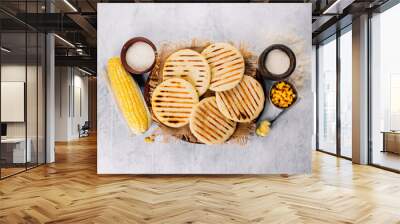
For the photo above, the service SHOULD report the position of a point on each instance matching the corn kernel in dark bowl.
(283, 94)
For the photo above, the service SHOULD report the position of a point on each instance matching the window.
(394, 102)
(327, 96)
(346, 93)
(385, 89)
(334, 106)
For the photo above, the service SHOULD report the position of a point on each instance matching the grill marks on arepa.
(227, 66)
(173, 101)
(189, 65)
(208, 125)
(244, 102)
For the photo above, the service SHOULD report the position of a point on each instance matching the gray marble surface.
(286, 150)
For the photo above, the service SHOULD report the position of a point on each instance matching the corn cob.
(128, 97)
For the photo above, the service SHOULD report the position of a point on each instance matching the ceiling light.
(84, 71)
(337, 7)
(64, 40)
(5, 50)
(80, 51)
(326, 11)
(70, 5)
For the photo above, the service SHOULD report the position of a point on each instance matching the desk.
(391, 141)
(16, 147)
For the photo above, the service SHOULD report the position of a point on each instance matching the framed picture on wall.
(204, 88)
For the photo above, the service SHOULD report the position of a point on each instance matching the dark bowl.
(272, 76)
(294, 91)
(125, 48)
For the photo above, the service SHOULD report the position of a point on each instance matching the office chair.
(84, 130)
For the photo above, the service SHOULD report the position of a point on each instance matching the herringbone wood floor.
(70, 191)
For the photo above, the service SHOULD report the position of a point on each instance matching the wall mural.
(204, 88)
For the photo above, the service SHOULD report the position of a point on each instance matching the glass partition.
(14, 155)
(31, 99)
(23, 89)
(41, 97)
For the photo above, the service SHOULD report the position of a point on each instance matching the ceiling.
(76, 21)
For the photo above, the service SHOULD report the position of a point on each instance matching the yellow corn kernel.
(129, 97)
(282, 95)
(148, 139)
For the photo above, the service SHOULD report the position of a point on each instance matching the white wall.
(71, 102)
(62, 80)
(80, 110)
